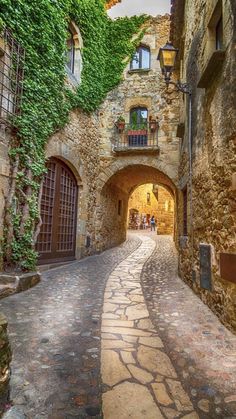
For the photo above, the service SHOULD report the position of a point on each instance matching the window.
(11, 76)
(215, 29)
(141, 59)
(185, 212)
(219, 34)
(139, 117)
(138, 134)
(70, 53)
(148, 198)
(73, 57)
(119, 207)
(215, 47)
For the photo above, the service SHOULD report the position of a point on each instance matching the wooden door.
(57, 237)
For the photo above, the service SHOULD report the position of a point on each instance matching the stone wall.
(111, 217)
(214, 147)
(161, 205)
(78, 146)
(5, 359)
(4, 172)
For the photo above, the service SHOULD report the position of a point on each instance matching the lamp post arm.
(181, 87)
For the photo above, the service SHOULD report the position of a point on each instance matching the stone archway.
(114, 192)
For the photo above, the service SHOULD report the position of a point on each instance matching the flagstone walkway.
(133, 360)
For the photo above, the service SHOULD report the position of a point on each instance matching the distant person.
(153, 223)
(144, 222)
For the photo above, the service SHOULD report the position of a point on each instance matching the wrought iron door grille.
(12, 58)
(44, 243)
(65, 238)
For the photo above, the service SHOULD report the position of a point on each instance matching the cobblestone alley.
(119, 332)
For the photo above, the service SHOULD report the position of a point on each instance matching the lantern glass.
(167, 57)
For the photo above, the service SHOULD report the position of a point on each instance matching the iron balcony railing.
(138, 137)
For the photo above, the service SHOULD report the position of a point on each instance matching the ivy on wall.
(40, 26)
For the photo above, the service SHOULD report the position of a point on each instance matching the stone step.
(48, 266)
(7, 289)
(13, 283)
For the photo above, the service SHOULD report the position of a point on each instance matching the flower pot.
(153, 126)
(120, 126)
(137, 132)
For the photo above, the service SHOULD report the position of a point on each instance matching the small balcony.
(138, 138)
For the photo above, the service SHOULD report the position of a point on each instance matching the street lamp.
(167, 56)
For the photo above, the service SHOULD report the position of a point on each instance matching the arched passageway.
(111, 223)
(151, 200)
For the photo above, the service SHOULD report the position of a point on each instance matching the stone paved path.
(139, 379)
(201, 348)
(164, 353)
(55, 337)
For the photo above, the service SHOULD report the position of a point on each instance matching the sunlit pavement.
(164, 353)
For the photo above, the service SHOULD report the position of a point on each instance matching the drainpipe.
(190, 175)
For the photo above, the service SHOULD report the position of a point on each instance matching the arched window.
(70, 53)
(139, 116)
(74, 45)
(141, 59)
(138, 133)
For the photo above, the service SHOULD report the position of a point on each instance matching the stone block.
(14, 283)
(205, 251)
(234, 181)
(228, 266)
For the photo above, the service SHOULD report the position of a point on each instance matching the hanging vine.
(40, 26)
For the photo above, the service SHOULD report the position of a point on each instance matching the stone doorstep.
(14, 283)
(54, 265)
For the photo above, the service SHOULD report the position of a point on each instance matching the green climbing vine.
(40, 26)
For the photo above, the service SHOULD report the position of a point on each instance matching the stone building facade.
(123, 166)
(88, 155)
(205, 33)
(105, 174)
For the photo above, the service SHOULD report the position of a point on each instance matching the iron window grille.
(12, 58)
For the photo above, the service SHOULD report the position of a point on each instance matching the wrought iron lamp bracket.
(182, 87)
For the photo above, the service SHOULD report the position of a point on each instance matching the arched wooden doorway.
(57, 237)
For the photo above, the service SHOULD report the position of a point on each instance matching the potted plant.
(120, 123)
(153, 124)
(139, 129)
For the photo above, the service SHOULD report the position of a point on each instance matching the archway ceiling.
(130, 177)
